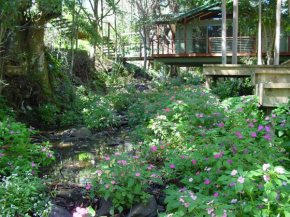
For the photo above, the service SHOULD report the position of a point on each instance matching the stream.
(76, 156)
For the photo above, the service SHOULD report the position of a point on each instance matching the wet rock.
(57, 211)
(161, 209)
(105, 206)
(81, 133)
(160, 200)
(144, 210)
(141, 87)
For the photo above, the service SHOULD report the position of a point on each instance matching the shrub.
(23, 196)
(214, 159)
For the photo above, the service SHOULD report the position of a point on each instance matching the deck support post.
(207, 81)
(260, 34)
(185, 21)
(235, 31)
(278, 30)
(157, 38)
(224, 33)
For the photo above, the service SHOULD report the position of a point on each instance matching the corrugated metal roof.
(211, 7)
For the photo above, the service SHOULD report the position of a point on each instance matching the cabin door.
(199, 42)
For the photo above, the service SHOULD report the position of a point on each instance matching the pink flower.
(202, 93)
(107, 186)
(253, 134)
(234, 172)
(107, 158)
(33, 164)
(136, 157)
(193, 161)
(172, 166)
(230, 161)
(267, 129)
(240, 109)
(207, 182)
(260, 186)
(76, 214)
(241, 179)
(216, 194)
(137, 174)
(117, 154)
(251, 125)
(182, 157)
(260, 127)
(113, 182)
(221, 124)
(209, 210)
(154, 148)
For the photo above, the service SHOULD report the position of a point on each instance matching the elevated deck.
(272, 83)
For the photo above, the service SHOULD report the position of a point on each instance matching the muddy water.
(75, 159)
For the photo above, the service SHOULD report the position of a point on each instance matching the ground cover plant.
(21, 191)
(211, 158)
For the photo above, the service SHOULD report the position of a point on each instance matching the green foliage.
(99, 113)
(23, 195)
(232, 87)
(48, 114)
(17, 151)
(211, 158)
(124, 179)
(21, 192)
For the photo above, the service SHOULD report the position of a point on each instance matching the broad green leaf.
(272, 195)
(130, 183)
(247, 208)
(239, 186)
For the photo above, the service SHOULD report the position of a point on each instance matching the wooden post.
(108, 42)
(207, 81)
(235, 31)
(157, 38)
(185, 21)
(260, 35)
(209, 47)
(278, 29)
(224, 33)
(140, 50)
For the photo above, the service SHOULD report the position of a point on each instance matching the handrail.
(211, 46)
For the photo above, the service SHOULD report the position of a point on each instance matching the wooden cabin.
(197, 34)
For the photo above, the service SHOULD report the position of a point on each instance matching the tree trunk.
(277, 37)
(72, 42)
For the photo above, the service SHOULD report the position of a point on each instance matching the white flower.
(279, 170)
(234, 200)
(234, 172)
(266, 167)
(190, 180)
(266, 177)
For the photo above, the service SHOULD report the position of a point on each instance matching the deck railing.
(208, 46)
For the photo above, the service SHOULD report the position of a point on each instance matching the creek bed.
(75, 157)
